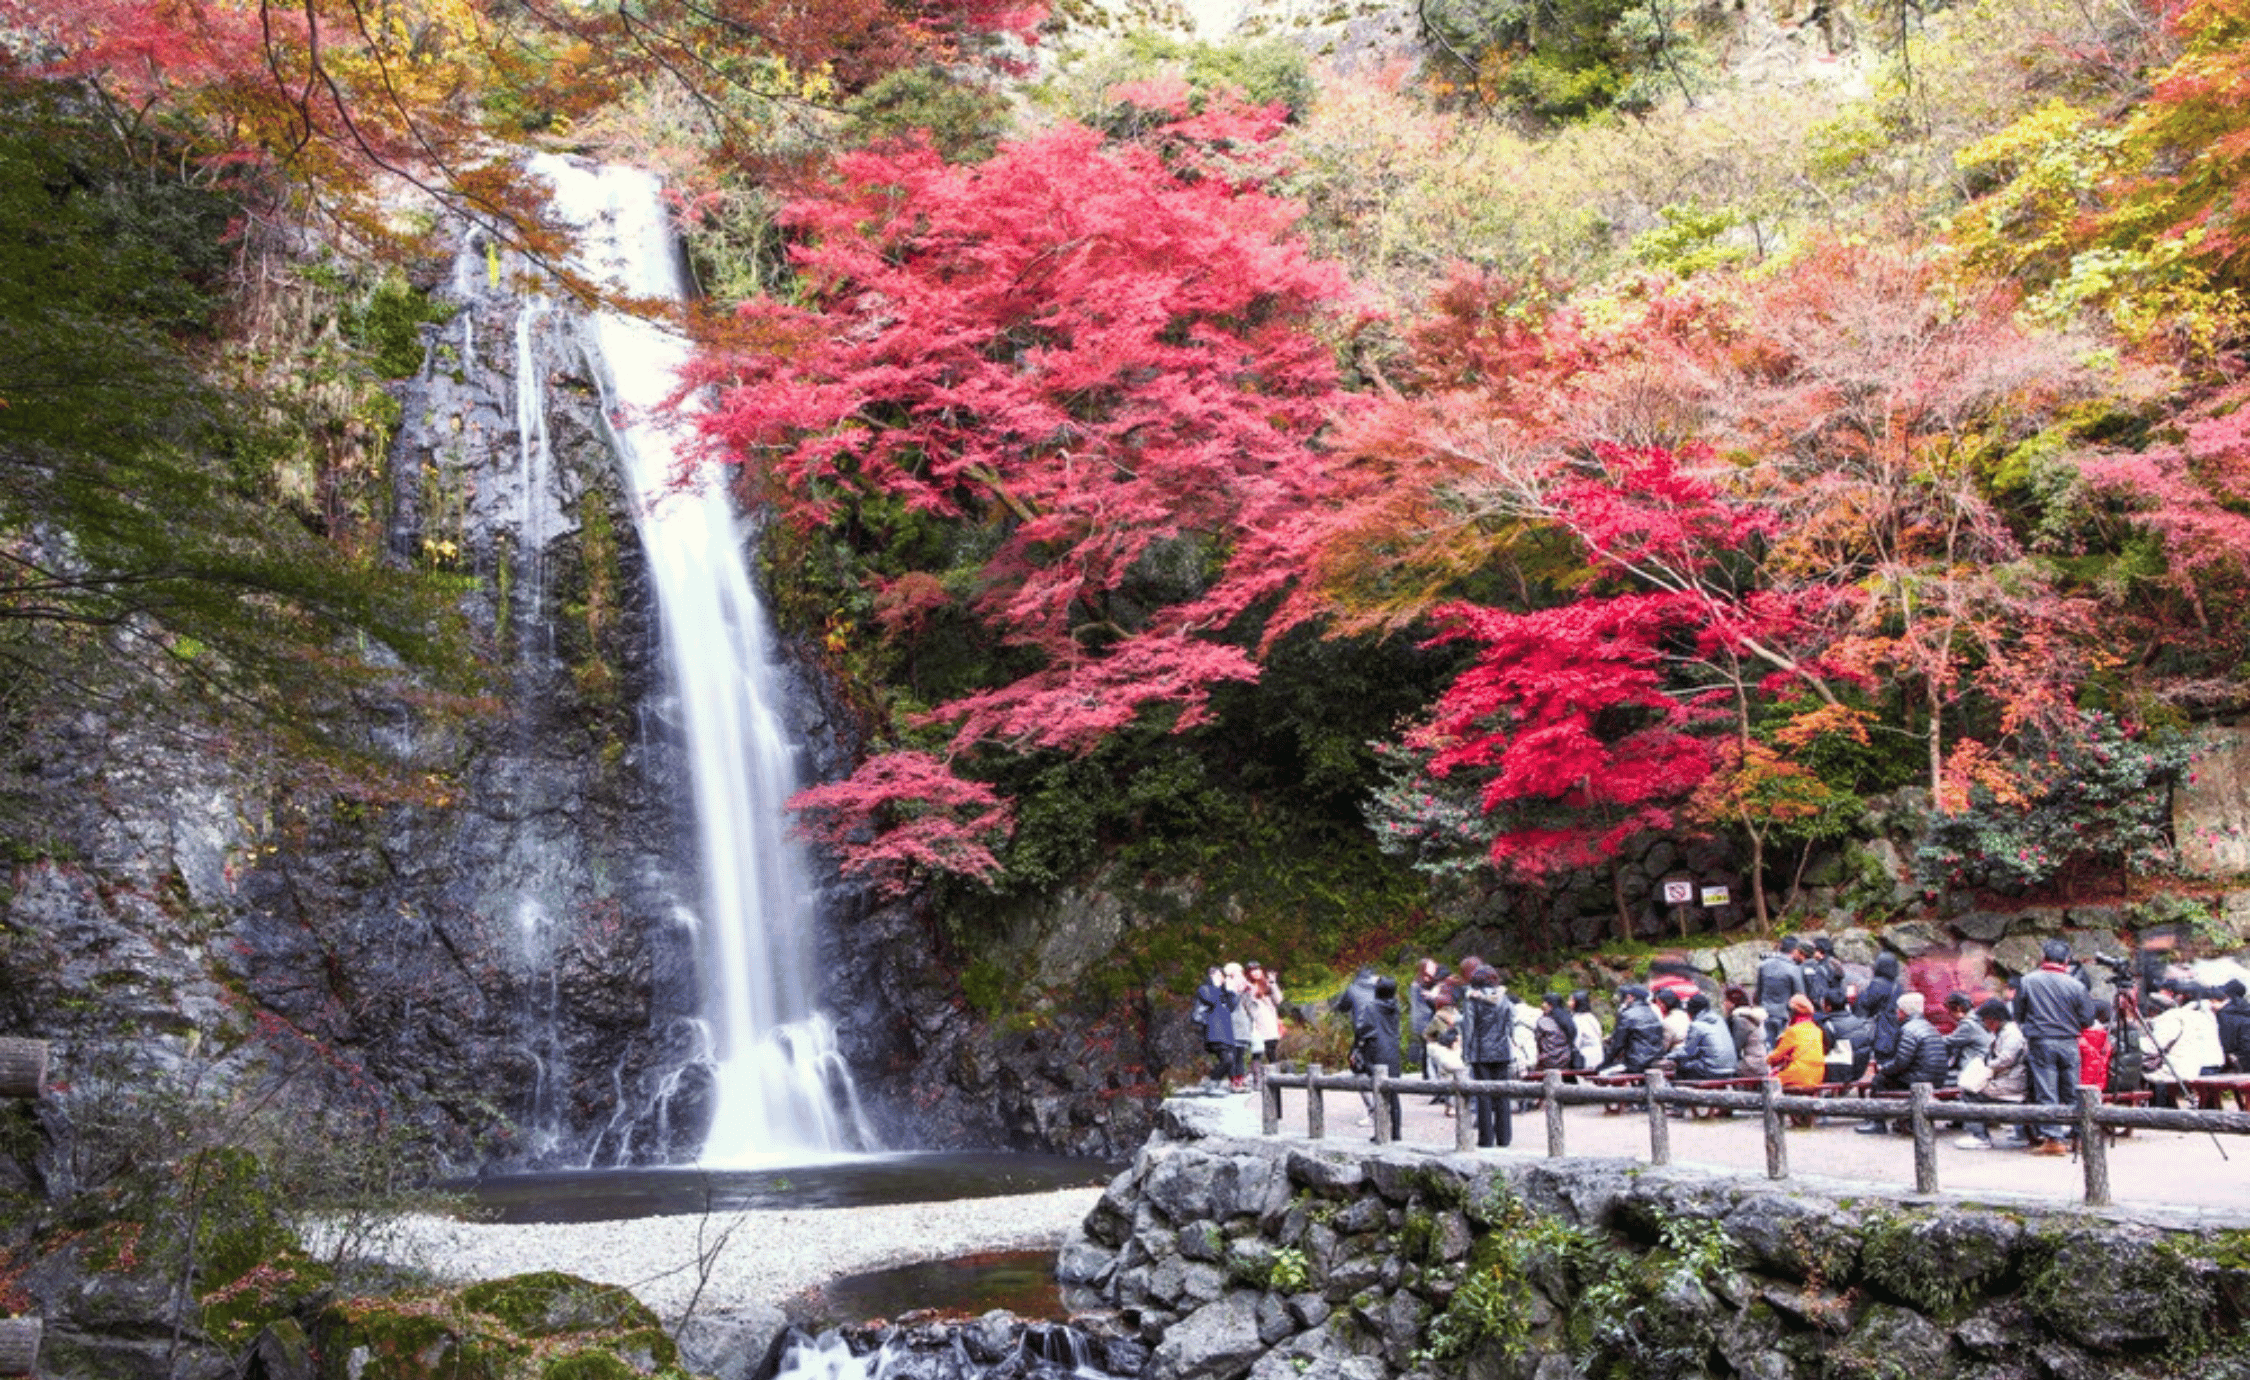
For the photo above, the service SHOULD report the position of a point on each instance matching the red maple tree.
(1102, 356)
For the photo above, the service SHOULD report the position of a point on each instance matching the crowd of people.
(1801, 1020)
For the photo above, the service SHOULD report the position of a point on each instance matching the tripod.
(2126, 1019)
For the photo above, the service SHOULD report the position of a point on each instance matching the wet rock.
(728, 1345)
(1219, 1342)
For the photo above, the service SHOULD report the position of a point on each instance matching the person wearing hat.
(1798, 1059)
(1638, 1040)
(1918, 1057)
(2052, 1007)
(2003, 1079)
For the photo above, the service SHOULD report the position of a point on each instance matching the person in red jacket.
(2093, 1049)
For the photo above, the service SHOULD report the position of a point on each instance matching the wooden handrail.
(1920, 1109)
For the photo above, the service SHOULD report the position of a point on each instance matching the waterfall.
(781, 1089)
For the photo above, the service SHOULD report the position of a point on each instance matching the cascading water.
(782, 1091)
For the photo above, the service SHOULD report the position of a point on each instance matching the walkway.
(2155, 1169)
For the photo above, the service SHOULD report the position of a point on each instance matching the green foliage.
(2096, 794)
(388, 322)
(1896, 1260)
(1263, 71)
(153, 569)
(988, 986)
(1288, 1271)
(963, 120)
(1691, 240)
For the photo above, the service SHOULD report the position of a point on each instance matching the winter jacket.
(1748, 1026)
(1796, 1058)
(2234, 1033)
(1375, 1035)
(1780, 977)
(1442, 1043)
(1967, 1040)
(1265, 1012)
(2093, 1057)
(2011, 1076)
(1554, 1035)
(1487, 1024)
(2051, 1005)
(1881, 992)
(1850, 1025)
(1638, 1040)
(1708, 1050)
(1882, 1034)
(1920, 1056)
(1824, 978)
(1588, 1042)
(1214, 1010)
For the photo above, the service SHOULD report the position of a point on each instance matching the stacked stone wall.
(1286, 1260)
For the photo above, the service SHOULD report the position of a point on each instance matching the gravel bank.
(764, 1258)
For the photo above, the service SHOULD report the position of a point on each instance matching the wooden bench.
(2211, 1092)
(1718, 1085)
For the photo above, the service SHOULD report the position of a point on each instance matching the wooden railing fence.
(1656, 1095)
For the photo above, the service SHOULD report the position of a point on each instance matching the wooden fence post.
(1659, 1127)
(1316, 1110)
(2093, 1147)
(1380, 1110)
(1918, 1102)
(1777, 1135)
(19, 1345)
(1269, 1104)
(1464, 1118)
(23, 1067)
(1551, 1102)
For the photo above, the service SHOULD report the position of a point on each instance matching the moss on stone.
(545, 1326)
(550, 1303)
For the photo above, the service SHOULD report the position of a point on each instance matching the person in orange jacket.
(1798, 1058)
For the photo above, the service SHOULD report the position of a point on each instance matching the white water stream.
(783, 1093)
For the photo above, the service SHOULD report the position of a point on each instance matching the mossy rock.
(543, 1326)
(549, 1303)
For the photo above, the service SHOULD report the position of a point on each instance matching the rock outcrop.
(1277, 1259)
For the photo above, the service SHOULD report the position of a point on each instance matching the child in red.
(2093, 1049)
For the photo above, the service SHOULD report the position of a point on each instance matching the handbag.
(1975, 1074)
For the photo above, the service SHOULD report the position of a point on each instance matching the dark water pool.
(609, 1195)
(1022, 1282)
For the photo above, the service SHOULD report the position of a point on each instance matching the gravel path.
(755, 1258)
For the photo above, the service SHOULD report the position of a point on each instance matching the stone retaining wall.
(1287, 1260)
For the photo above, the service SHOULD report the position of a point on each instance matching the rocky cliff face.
(483, 944)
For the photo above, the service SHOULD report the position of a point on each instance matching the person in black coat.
(1918, 1056)
(1780, 976)
(1881, 992)
(1214, 1018)
(1841, 1024)
(1708, 1051)
(1375, 1039)
(1824, 976)
(1637, 1041)
(2234, 1026)
(1554, 1034)
(1488, 1016)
